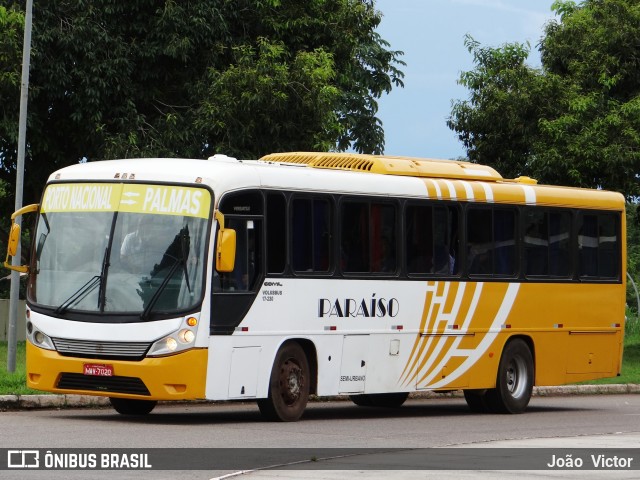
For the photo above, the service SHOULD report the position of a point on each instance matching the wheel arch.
(530, 344)
(311, 353)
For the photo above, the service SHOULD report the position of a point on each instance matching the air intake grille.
(92, 349)
(115, 384)
(337, 161)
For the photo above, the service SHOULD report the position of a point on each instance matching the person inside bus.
(133, 245)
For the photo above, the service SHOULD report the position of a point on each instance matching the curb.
(29, 402)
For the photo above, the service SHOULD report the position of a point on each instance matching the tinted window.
(491, 244)
(598, 245)
(368, 242)
(276, 233)
(431, 240)
(311, 235)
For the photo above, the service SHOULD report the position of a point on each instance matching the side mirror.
(226, 251)
(225, 246)
(14, 238)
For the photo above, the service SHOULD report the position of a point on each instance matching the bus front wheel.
(514, 382)
(288, 385)
(128, 406)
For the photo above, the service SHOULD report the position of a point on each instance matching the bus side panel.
(452, 338)
(576, 329)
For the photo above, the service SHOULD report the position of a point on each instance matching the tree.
(498, 123)
(189, 79)
(11, 28)
(576, 121)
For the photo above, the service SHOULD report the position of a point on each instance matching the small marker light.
(192, 322)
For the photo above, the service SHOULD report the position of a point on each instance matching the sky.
(431, 35)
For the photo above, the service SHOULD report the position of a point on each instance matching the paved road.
(551, 422)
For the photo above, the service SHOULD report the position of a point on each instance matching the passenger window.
(354, 245)
(383, 238)
(431, 240)
(479, 242)
(608, 246)
(536, 242)
(547, 235)
(560, 264)
(598, 246)
(368, 242)
(491, 242)
(276, 233)
(311, 235)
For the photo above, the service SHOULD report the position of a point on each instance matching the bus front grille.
(93, 349)
(115, 384)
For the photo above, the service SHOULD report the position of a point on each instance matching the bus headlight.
(38, 338)
(171, 344)
(176, 342)
(186, 336)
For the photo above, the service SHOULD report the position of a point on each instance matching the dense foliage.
(112, 78)
(575, 121)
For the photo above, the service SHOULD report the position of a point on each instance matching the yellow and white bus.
(319, 273)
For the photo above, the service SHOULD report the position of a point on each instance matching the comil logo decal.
(23, 459)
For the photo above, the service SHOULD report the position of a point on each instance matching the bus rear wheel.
(514, 382)
(386, 400)
(128, 406)
(288, 385)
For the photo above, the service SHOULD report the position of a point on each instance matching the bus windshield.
(118, 262)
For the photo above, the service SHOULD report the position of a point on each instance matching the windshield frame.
(105, 316)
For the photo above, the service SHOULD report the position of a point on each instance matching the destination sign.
(133, 198)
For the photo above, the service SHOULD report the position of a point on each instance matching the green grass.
(15, 383)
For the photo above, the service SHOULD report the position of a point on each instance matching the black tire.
(128, 406)
(514, 382)
(288, 386)
(477, 400)
(386, 400)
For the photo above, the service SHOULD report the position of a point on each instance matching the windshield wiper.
(156, 296)
(102, 300)
(79, 294)
(88, 287)
(183, 239)
(184, 249)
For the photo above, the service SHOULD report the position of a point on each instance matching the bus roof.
(389, 165)
(343, 173)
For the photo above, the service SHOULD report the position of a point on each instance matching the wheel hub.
(291, 382)
(514, 374)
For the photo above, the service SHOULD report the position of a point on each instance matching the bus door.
(235, 291)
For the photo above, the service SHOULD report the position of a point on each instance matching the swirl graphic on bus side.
(459, 323)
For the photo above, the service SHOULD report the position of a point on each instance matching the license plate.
(98, 370)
